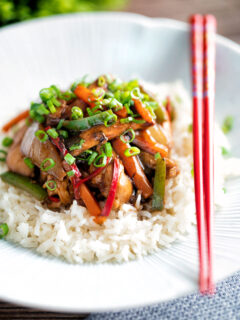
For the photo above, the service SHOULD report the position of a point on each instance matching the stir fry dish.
(102, 144)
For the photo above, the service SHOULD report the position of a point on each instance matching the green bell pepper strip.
(160, 113)
(159, 185)
(87, 123)
(24, 183)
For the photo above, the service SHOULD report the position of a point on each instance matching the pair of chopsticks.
(203, 29)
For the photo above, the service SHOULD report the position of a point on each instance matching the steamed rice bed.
(128, 233)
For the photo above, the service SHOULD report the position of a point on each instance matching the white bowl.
(58, 50)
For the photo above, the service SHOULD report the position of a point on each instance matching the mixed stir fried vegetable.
(101, 143)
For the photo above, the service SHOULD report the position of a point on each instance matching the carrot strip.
(86, 95)
(133, 168)
(89, 200)
(15, 120)
(146, 141)
(122, 112)
(144, 113)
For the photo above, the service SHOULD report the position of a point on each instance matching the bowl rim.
(139, 19)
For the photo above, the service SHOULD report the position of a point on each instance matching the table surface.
(227, 13)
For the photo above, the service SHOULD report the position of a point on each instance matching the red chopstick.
(209, 73)
(203, 81)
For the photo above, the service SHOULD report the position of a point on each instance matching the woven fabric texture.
(224, 305)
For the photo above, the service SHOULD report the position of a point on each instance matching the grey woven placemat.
(225, 305)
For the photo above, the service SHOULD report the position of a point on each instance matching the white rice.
(128, 233)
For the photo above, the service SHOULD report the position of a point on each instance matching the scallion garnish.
(52, 133)
(157, 156)
(92, 157)
(70, 173)
(98, 93)
(29, 163)
(133, 151)
(41, 135)
(50, 166)
(100, 161)
(227, 124)
(51, 185)
(101, 81)
(60, 123)
(63, 133)
(4, 157)
(136, 94)
(110, 120)
(7, 142)
(126, 133)
(107, 149)
(77, 146)
(3, 230)
(69, 159)
(77, 113)
(42, 110)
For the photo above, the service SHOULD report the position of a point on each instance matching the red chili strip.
(53, 199)
(112, 192)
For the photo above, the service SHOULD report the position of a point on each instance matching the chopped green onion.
(60, 123)
(55, 88)
(63, 133)
(225, 152)
(77, 146)
(41, 135)
(133, 151)
(69, 159)
(190, 127)
(98, 93)
(4, 153)
(224, 190)
(131, 119)
(29, 163)
(227, 124)
(51, 106)
(50, 166)
(35, 116)
(110, 120)
(91, 158)
(52, 133)
(77, 113)
(7, 142)
(136, 94)
(131, 131)
(47, 94)
(101, 81)
(100, 161)
(150, 109)
(42, 110)
(192, 171)
(51, 185)
(107, 149)
(70, 173)
(3, 230)
(157, 156)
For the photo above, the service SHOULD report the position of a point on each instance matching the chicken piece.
(149, 161)
(99, 134)
(15, 158)
(61, 191)
(103, 182)
(38, 151)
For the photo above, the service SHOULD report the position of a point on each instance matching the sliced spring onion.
(50, 166)
(110, 120)
(77, 113)
(100, 161)
(127, 132)
(42, 110)
(63, 133)
(133, 151)
(35, 116)
(4, 157)
(51, 106)
(101, 81)
(41, 135)
(7, 142)
(136, 94)
(225, 152)
(159, 185)
(87, 123)
(107, 149)
(52, 133)
(227, 124)
(98, 93)
(157, 156)
(69, 159)
(47, 94)
(3, 230)
(77, 146)
(70, 173)
(131, 119)
(24, 183)
(51, 185)
(60, 123)
(29, 163)
(92, 157)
